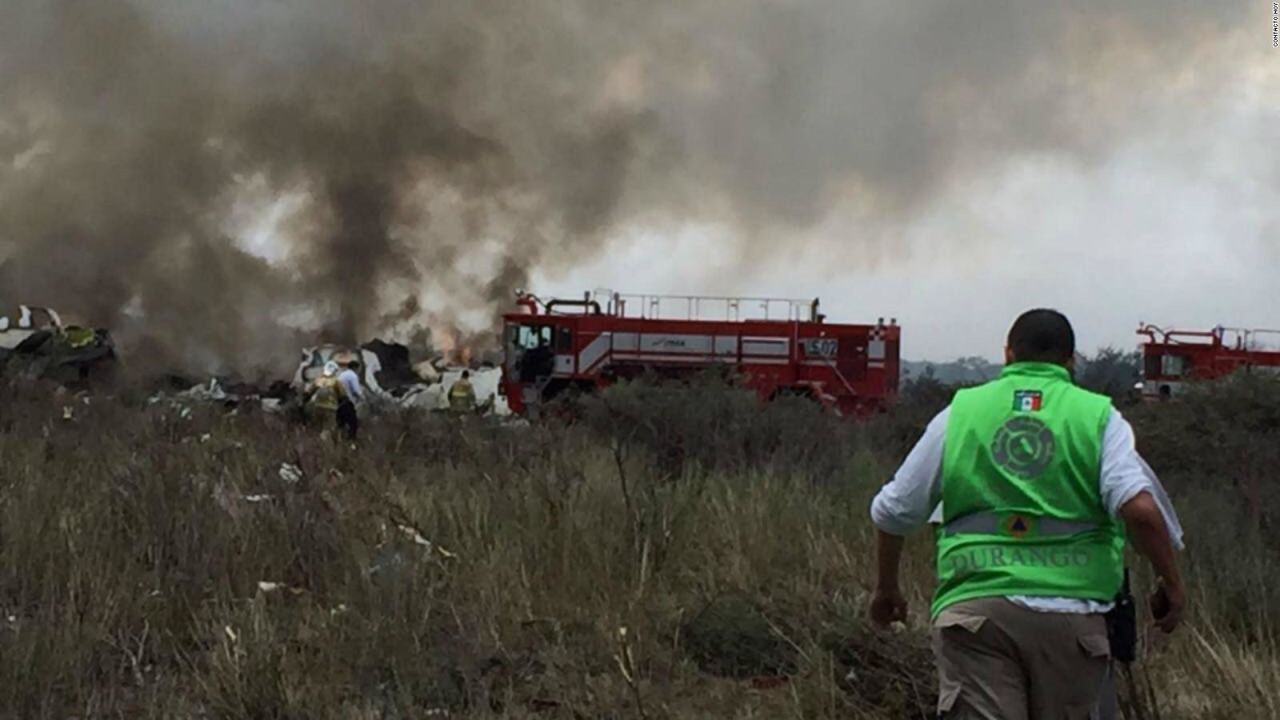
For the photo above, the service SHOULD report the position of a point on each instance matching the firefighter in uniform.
(322, 395)
(1034, 484)
(462, 395)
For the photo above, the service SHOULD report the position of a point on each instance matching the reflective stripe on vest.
(1016, 524)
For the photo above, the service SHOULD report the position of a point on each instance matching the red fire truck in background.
(1171, 358)
(775, 346)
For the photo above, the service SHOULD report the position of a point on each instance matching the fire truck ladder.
(1248, 338)
(1239, 338)
(707, 307)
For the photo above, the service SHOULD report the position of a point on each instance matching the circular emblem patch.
(1023, 447)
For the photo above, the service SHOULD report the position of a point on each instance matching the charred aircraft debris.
(36, 345)
(391, 381)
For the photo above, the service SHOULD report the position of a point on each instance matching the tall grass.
(671, 553)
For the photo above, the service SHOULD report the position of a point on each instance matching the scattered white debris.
(265, 587)
(231, 634)
(418, 539)
(68, 413)
(211, 390)
(427, 372)
(257, 498)
(206, 437)
(290, 473)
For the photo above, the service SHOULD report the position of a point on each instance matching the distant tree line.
(1110, 371)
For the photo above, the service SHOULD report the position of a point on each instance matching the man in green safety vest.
(1034, 485)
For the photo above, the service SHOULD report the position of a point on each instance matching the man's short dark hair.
(354, 365)
(1042, 335)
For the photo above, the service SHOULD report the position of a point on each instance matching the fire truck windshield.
(529, 354)
(1172, 366)
(527, 337)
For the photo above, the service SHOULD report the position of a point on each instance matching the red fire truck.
(776, 346)
(1171, 358)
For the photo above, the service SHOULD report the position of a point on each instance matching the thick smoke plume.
(217, 179)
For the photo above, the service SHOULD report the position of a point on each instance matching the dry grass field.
(672, 553)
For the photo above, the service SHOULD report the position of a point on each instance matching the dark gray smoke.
(422, 157)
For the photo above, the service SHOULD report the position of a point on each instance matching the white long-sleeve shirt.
(914, 496)
(351, 385)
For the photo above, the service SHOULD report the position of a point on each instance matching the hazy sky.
(1177, 225)
(225, 179)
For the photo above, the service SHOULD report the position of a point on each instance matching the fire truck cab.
(775, 346)
(1171, 358)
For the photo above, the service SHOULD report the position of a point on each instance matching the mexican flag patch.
(1026, 400)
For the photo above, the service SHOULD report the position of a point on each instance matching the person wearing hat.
(322, 394)
(350, 394)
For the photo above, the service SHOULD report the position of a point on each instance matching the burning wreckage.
(36, 345)
(389, 377)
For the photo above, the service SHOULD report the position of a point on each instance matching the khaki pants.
(999, 661)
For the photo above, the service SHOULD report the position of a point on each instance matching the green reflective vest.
(1022, 509)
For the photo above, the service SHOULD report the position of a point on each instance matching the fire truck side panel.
(853, 368)
(1167, 366)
